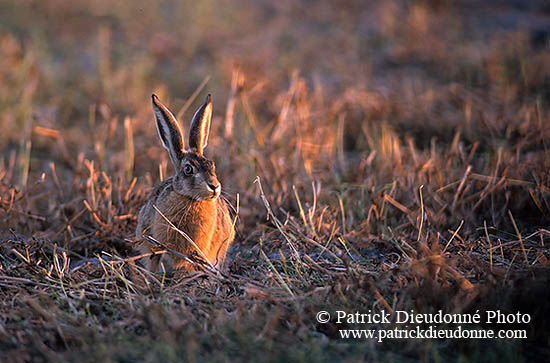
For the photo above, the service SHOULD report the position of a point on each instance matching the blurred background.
(423, 65)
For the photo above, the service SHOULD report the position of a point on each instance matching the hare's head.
(195, 174)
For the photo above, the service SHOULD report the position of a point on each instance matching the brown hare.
(189, 200)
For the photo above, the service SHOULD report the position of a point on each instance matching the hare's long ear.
(200, 126)
(169, 131)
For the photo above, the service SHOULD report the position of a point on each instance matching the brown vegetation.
(378, 155)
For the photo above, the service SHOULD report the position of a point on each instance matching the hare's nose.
(215, 188)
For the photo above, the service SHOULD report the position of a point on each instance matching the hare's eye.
(188, 169)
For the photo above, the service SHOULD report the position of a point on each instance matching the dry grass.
(390, 155)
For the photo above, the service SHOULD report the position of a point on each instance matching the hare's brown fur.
(207, 223)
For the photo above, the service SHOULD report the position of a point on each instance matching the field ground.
(379, 155)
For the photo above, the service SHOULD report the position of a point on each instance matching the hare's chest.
(196, 219)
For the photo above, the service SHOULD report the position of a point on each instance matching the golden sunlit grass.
(378, 156)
